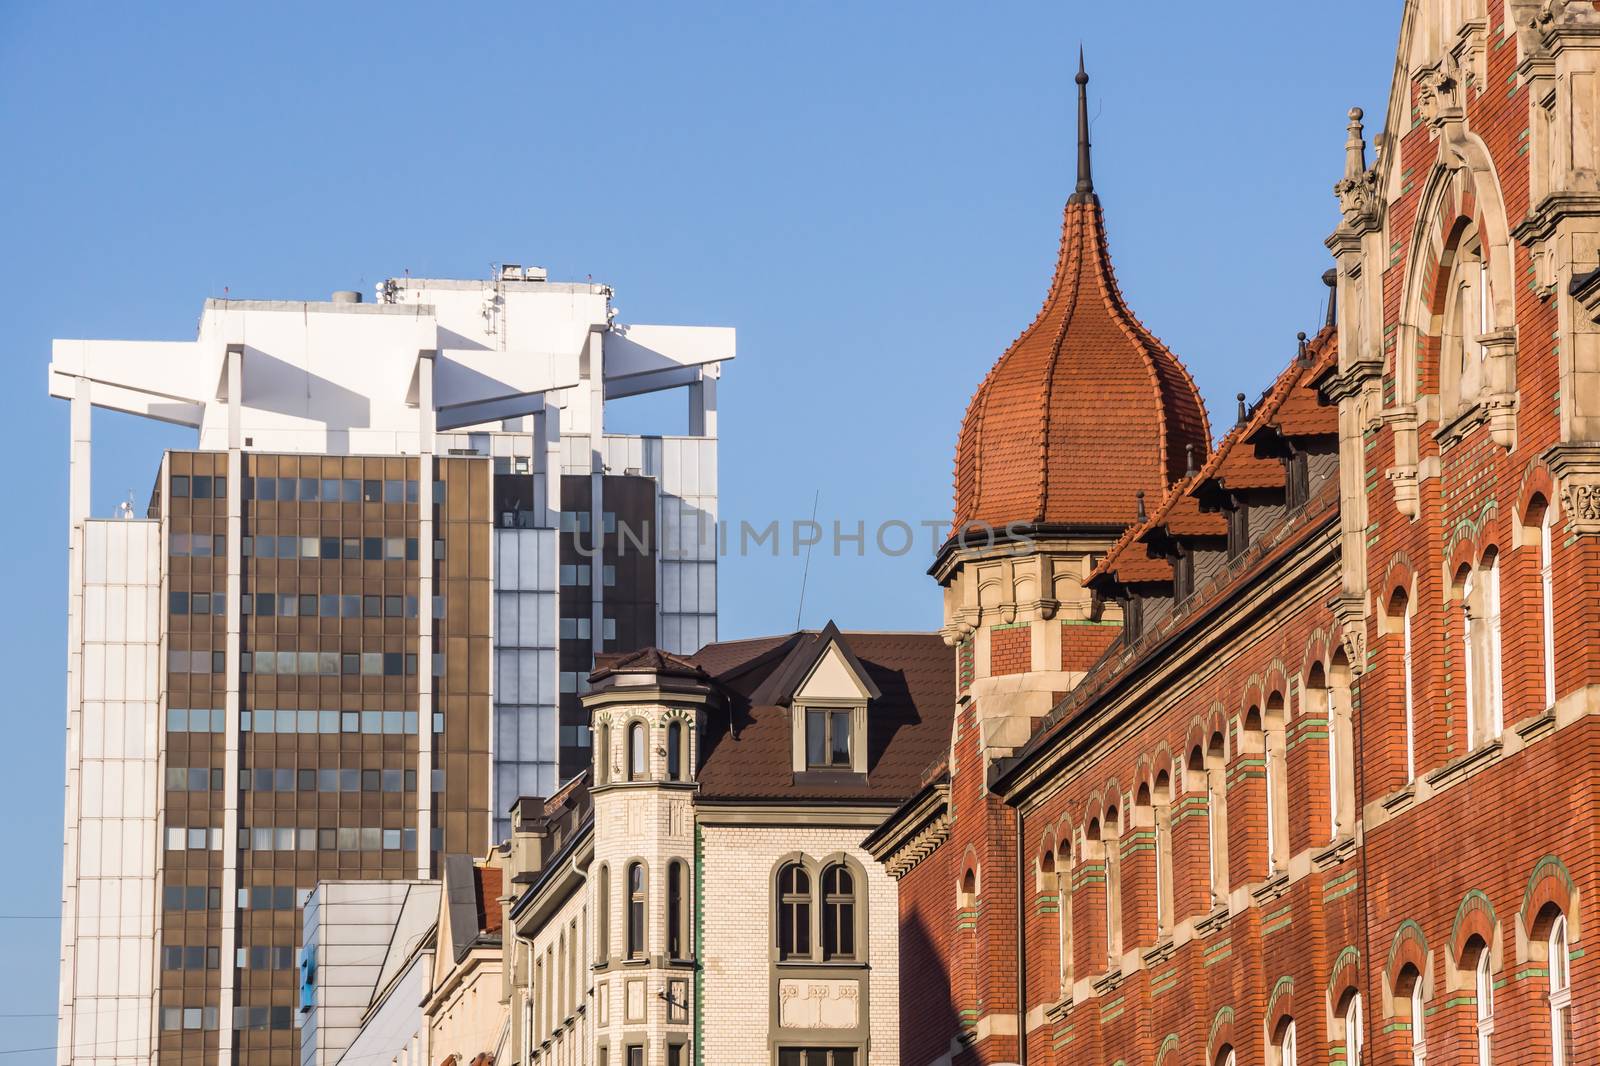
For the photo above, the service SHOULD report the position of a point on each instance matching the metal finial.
(1300, 351)
(1243, 413)
(1085, 188)
(1140, 496)
(1330, 278)
(1188, 454)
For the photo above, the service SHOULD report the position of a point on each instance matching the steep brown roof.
(746, 750)
(1086, 407)
(645, 661)
(487, 880)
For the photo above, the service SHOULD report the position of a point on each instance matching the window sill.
(1214, 921)
(1339, 851)
(1540, 725)
(1163, 950)
(1461, 768)
(1401, 798)
(818, 964)
(1108, 982)
(1270, 889)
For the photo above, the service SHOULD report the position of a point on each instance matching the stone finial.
(1301, 356)
(1330, 278)
(1244, 413)
(1355, 147)
(1140, 497)
(1188, 454)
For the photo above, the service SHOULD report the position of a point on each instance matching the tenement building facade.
(353, 624)
(1284, 751)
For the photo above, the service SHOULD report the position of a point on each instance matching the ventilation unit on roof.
(518, 272)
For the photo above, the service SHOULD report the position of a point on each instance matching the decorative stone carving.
(817, 1004)
(1576, 467)
(1350, 612)
(1439, 92)
(1581, 502)
(1358, 189)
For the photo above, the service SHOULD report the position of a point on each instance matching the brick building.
(1284, 751)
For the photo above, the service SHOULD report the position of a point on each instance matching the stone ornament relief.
(1581, 502)
(811, 1004)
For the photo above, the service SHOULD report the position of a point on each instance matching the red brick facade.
(1346, 743)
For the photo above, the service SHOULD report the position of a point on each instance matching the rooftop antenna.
(806, 573)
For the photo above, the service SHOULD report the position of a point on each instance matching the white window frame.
(1419, 1035)
(1485, 1004)
(1560, 991)
(1547, 607)
(1468, 678)
(1411, 724)
(1492, 679)
(1284, 1052)
(1353, 1033)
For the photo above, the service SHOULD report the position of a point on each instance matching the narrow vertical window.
(1217, 817)
(1113, 891)
(1560, 994)
(1495, 718)
(636, 913)
(636, 753)
(1353, 1032)
(675, 751)
(675, 911)
(1411, 734)
(1063, 884)
(794, 912)
(1470, 669)
(602, 752)
(1419, 1036)
(1275, 747)
(602, 918)
(1163, 853)
(1547, 608)
(838, 913)
(1485, 997)
(1285, 1049)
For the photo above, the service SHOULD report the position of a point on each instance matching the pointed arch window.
(794, 912)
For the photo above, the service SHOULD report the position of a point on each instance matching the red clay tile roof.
(747, 747)
(1290, 405)
(1085, 382)
(486, 880)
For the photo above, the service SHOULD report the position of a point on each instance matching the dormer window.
(829, 694)
(828, 732)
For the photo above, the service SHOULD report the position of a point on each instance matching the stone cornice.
(912, 833)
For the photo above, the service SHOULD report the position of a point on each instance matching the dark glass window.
(372, 491)
(180, 487)
(266, 488)
(794, 912)
(372, 548)
(675, 751)
(838, 913)
(675, 911)
(201, 488)
(636, 752)
(827, 737)
(178, 602)
(636, 913)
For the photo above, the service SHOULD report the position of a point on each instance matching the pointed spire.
(1084, 193)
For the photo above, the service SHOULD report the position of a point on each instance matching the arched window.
(794, 912)
(636, 910)
(1480, 602)
(967, 895)
(1405, 668)
(1283, 1046)
(1484, 973)
(1275, 744)
(675, 752)
(1217, 816)
(1112, 836)
(636, 753)
(602, 753)
(1547, 607)
(1054, 877)
(838, 913)
(677, 911)
(1354, 1035)
(602, 917)
(1468, 316)
(1560, 993)
(1226, 1057)
(1419, 1034)
(1163, 852)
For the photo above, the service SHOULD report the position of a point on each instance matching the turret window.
(677, 911)
(636, 752)
(675, 751)
(636, 911)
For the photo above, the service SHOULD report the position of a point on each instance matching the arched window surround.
(678, 910)
(636, 907)
(638, 751)
(808, 904)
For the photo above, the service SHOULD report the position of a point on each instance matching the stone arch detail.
(1168, 1047)
(1474, 917)
(1344, 977)
(1221, 1033)
(1549, 883)
(1280, 1004)
(1410, 947)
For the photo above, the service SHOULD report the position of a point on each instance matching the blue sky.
(869, 192)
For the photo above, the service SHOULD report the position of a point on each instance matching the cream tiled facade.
(742, 1014)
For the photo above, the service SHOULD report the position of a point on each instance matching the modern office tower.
(351, 627)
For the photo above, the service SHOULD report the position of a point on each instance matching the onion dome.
(1086, 408)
